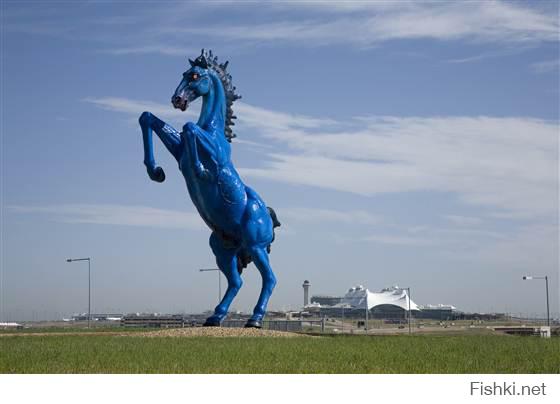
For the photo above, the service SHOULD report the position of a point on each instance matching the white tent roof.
(358, 296)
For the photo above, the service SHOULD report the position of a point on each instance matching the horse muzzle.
(179, 102)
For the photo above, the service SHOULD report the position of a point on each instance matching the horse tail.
(275, 222)
(243, 257)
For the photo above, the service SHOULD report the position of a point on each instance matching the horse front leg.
(169, 136)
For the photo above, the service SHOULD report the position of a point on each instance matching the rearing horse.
(242, 225)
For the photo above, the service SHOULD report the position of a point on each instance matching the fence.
(153, 321)
(283, 325)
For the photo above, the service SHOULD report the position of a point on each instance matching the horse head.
(195, 83)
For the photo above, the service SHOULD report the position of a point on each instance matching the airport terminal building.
(389, 303)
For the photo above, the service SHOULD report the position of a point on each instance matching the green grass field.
(340, 354)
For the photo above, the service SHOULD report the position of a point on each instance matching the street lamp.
(89, 284)
(219, 281)
(367, 311)
(343, 317)
(528, 278)
(409, 312)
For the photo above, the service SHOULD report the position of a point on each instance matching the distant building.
(325, 300)
(96, 317)
(438, 312)
(389, 303)
(7, 325)
(306, 286)
(358, 297)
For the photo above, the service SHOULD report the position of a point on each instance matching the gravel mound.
(215, 332)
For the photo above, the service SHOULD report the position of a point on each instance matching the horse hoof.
(253, 324)
(159, 175)
(211, 322)
(156, 174)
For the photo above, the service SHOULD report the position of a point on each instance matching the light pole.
(409, 312)
(367, 311)
(219, 281)
(89, 284)
(528, 278)
(343, 318)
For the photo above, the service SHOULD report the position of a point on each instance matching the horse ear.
(191, 62)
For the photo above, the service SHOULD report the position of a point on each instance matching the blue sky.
(400, 143)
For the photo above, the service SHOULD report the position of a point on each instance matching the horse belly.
(225, 216)
(221, 202)
(228, 200)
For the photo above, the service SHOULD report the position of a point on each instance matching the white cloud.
(460, 239)
(398, 240)
(362, 24)
(248, 114)
(510, 163)
(546, 66)
(158, 49)
(122, 215)
(254, 116)
(463, 220)
(134, 108)
(316, 215)
(507, 163)
(532, 247)
(504, 51)
(366, 24)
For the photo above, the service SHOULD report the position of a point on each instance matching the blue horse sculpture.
(241, 223)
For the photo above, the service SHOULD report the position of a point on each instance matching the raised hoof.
(156, 174)
(211, 322)
(253, 324)
(159, 175)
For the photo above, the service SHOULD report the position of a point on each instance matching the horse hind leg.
(257, 234)
(226, 259)
(260, 258)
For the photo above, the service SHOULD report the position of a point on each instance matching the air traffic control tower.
(306, 286)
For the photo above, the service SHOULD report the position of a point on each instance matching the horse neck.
(212, 113)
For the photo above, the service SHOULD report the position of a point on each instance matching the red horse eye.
(195, 76)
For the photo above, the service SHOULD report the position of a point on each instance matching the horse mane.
(229, 90)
